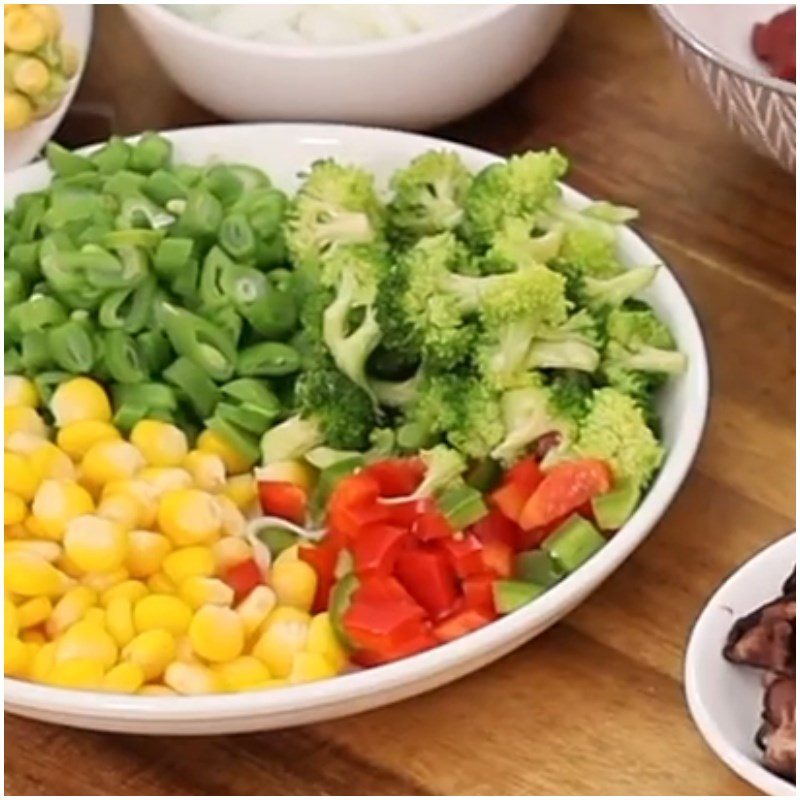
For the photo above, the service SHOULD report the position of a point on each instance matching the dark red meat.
(774, 43)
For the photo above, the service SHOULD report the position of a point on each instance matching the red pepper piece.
(478, 594)
(397, 477)
(283, 499)
(465, 555)
(376, 549)
(496, 527)
(432, 525)
(459, 624)
(429, 579)
(381, 627)
(498, 558)
(421, 641)
(243, 578)
(323, 557)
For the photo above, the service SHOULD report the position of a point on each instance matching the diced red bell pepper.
(283, 499)
(397, 477)
(423, 640)
(381, 627)
(323, 557)
(478, 593)
(377, 590)
(496, 527)
(429, 578)
(432, 525)
(527, 474)
(498, 558)
(406, 514)
(354, 505)
(465, 555)
(518, 485)
(460, 624)
(243, 577)
(376, 549)
(565, 488)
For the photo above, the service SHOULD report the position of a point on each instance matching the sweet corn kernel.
(17, 111)
(22, 419)
(19, 391)
(14, 509)
(31, 76)
(211, 442)
(217, 633)
(229, 551)
(289, 554)
(256, 608)
(34, 612)
(233, 521)
(122, 509)
(33, 636)
(162, 611)
(308, 667)
(165, 479)
(95, 544)
(198, 591)
(189, 516)
(125, 678)
(185, 652)
(16, 657)
(191, 679)
(23, 31)
(290, 471)
(156, 690)
(103, 581)
(87, 640)
(77, 438)
(188, 562)
(18, 531)
(44, 548)
(42, 662)
(57, 503)
(95, 616)
(47, 461)
(76, 673)
(159, 583)
(119, 620)
(71, 608)
(294, 583)
(245, 672)
(130, 589)
(161, 443)
(48, 16)
(152, 651)
(109, 461)
(11, 622)
(29, 575)
(79, 399)
(207, 470)
(322, 639)
(139, 491)
(146, 552)
(241, 490)
(19, 476)
(284, 634)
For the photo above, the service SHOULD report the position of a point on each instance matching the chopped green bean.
(224, 184)
(162, 186)
(112, 157)
(151, 152)
(65, 163)
(35, 351)
(236, 237)
(71, 347)
(172, 256)
(197, 389)
(122, 358)
(268, 359)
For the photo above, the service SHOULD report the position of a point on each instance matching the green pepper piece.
(137, 210)
(249, 390)
(215, 266)
(133, 237)
(151, 396)
(37, 313)
(155, 350)
(200, 341)
(47, 382)
(129, 309)
(66, 163)
(123, 183)
(268, 359)
(340, 597)
(35, 352)
(247, 416)
(151, 152)
(185, 283)
(13, 288)
(242, 442)
(194, 385)
(273, 315)
(172, 256)
(103, 270)
(74, 204)
(71, 347)
(224, 184)
(462, 505)
(227, 319)
(127, 415)
(32, 207)
(162, 186)
(112, 157)
(276, 539)
(236, 237)
(122, 358)
(12, 361)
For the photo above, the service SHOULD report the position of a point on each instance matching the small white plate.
(22, 146)
(726, 699)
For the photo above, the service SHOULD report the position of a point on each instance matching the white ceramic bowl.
(284, 150)
(713, 43)
(416, 81)
(22, 146)
(726, 699)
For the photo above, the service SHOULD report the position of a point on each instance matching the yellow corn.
(233, 521)
(211, 442)
(291, 471)
(95, 544)
(159, 583)
(47, 461)
(152, 651)
(19, 391)
(161, 443)
(57, 503)
(188, 562)
(23, 31)
(18, 531)
(119, 620)
(77, 438)
(229, 551)
(285, 634)
(31, 76)
(322, 639)
(17, 111)
(207, 470)
(162, 611)
(11, 623)
(78, 399)
(138, 492)
(165, 479)
(19, 476)
(289, 554)
(294, 583)
(14, 509)
(34, 612)
(32, 636)
(146, 552)
(22, 419)
(87, 640)
(124, 678)
(198, 591)
(156, 690)
(241, 490)
(130, 589)
(71, 608)
(29, 575)
(217, 633)
(245, 672)
(189, 516)
(95, 616)
(307, 667)
(44, 548)
(191, 679)
(122, 509)
(103, 581)
(16, 658)
(255, 608)
(76, 673)
(108, 461)
(42, 662)
(48, 16)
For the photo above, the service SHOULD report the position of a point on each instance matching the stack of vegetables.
(453, 393)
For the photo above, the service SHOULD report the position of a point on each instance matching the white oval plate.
(22, 146)
(284, 150)
(725, 699)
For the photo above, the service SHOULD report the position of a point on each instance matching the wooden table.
(596, 704)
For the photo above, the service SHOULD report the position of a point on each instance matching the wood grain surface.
(594, 706)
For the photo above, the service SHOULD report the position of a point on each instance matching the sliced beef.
(765, 638)
(789, 585)
(777, 734)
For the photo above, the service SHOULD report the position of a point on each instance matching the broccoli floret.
(515, 246)
(443, 465)
(476, 424)
(572, 345)
(529, 413)
(336, 205)
(396, 394)
(519, 187)
(600, 294)
(290, 439)
(428, 196)
(615, 430)
(571, 393)
(432, 411)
